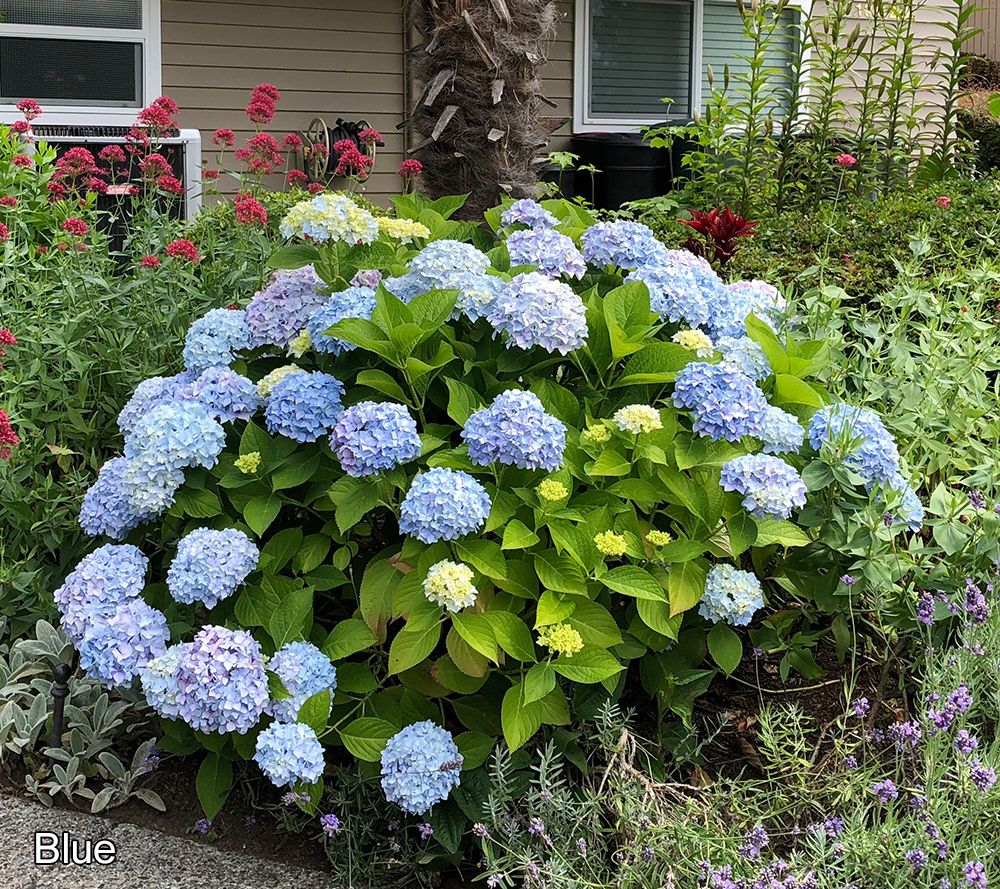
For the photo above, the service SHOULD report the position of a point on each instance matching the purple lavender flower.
(754, 842)
(886, 791)
(426, 831)
(861, 707)
(581, 848)
(960, 700)
(203, 826)
(906, 735)
(848, 580)
(977, 609)
(330, 824)
(977, 500)
(982, 776)
(974, 873)
(917, 859)
(479, 830)
(925, 608)
(965, 743)
(850, 762)
(536, 827)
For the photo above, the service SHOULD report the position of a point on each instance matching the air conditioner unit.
(181, 148)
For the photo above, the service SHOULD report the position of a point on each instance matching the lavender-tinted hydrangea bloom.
(277, 314)
(627, 245)
(770, 487)
(149, 394)
(371, 436)
(682, 287)
(528, 212)
(304, 671)
(221, 682)
(859, 436)
(731, 596)
(725, 403)
(354, 302)
(304, 406)
(516, 430)
(210, 565)
(536, 311)
(369, 278)
(552, 252)
(420, 767)
(745, 355)
(116, 646)
(781, 433)
(159, 681)
(227, 395)
(101, 581)
(288, 752)
(443, 504)
(213, 339)
(107, 508)
(175, 436)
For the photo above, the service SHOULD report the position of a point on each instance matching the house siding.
(987, 41)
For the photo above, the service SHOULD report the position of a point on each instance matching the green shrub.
(983, 131)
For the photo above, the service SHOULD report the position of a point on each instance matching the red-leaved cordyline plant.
(721, 230)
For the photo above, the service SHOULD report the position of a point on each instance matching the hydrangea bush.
(436, 485)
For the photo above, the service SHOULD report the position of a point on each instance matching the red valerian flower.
(166, 104)
(318, 150)
(297, 177)
(249, 211)
(158, 117)
(943, 201)
(8, 437)
(57, 191)
(4, 233)
(96, 184)
(721, 228)
(29, 108)
(210, 173)
(154, 165)
(6, 339)
(224, 138)
(76, 226)
(41, 250)
(8, 201)
(370, 136)
(262, 154)
(351, 161)
(170, 184)
(183, 249)
(293, 141)
(76, 163)
(260, 112)
(410, 167)
(266, 91)
(21, 160)
(342, 145)
(20, 127)
(112, 154)
(846, 160)
(150, 262)
(315, 187)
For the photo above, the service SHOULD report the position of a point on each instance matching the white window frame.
(585, 122)
(97, 115)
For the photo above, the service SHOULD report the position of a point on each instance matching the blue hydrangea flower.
(440, 258)
(516, 430)
(354, 302)
(211, 565)
(227, 395)
(552, 252)
(175, 436)
(443, 504)
(745, 355)
(159, 681)
(739, 300)
(476, 294)
(859, 437)
(213, 339)
(682, 287)
(149, 489)
(149, 394)
(221, 682)
(627, 245)
(372, 436)
(304, 671)
(528, 212)
(534, 310)
(101, 581)
(278, 313)
(731, 596)
(910, 511)
(288, 752)
(771, 488)
(725, 404)
(782, 433)
(304, 406)
(107, 508)
(406, 287)
(420, 767)
(116, 646)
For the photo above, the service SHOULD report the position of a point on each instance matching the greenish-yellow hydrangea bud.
(598, 434)
(268, 382)
(560, 638)
(300, 345)
(248, 463)
(403, 229)
(611, 544)
(450, 584)
(658, 538)
(696, 341)
(550, 489)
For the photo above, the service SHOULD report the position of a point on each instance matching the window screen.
(640, 53)
(725, 40)
(73, 13)
(99, 73)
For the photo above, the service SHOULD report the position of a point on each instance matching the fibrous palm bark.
(477, 118)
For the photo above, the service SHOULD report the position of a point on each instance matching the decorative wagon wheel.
(319, 148)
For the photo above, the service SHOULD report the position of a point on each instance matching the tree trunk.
(477, 118)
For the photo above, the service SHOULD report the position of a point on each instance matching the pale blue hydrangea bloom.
(782, 433)
(107, 508)
(627, 245)
(443, 504)
(221, 682)
(304, 671)
(859, 437)
(101, 581)
(149, 394)
(745, 355)
(175, 436)
(289, 752)
(213, 339)
(369, 278)
(725, 404)
(682, 287)
(441, 258)
(476, 290)
(115, 646)
(354, 302)
(552, 252)
(227, 395)
(372, 436)
(421, 765)
(911, 511)
(211, 565)
(304, 406)
(516, 430)
(278, 313)
(150, 490)
(159, 681)
(528, 212)
(740, 299)
(771, 488)
(731, 596)
(405, 287)
(534, 310)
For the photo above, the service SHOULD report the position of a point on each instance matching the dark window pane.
(71, 72)
(73, 13)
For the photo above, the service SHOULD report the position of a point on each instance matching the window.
(93, 60)
(631, 54)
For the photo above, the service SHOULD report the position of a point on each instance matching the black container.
(629, 168)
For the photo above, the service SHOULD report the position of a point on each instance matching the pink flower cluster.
(181, 248)
(249, 211)
(351, 161)
(263, 104)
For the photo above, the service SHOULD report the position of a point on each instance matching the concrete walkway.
(144, 858)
